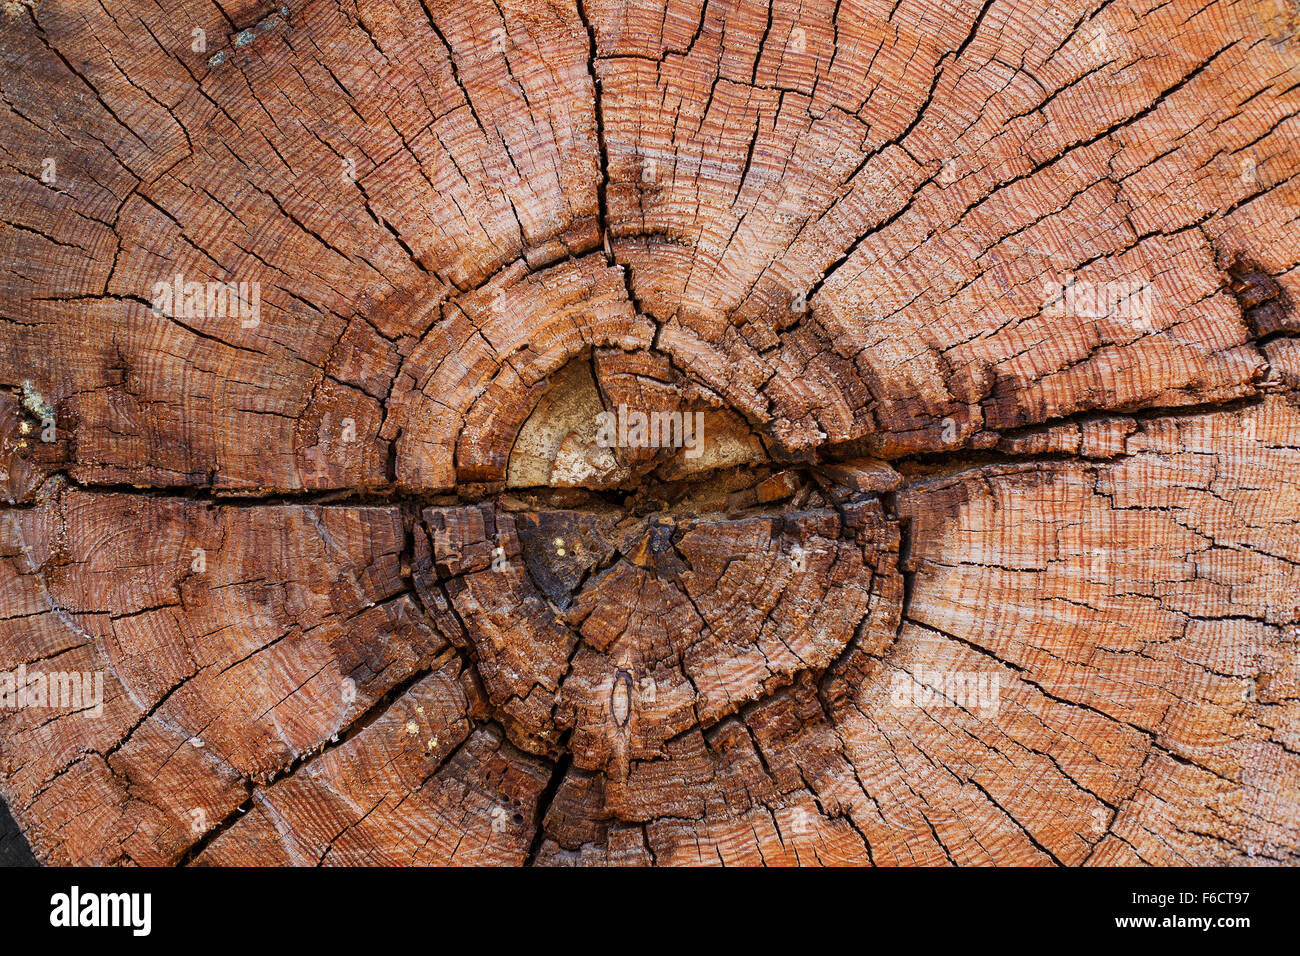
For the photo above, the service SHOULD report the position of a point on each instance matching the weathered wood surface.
(362, 586)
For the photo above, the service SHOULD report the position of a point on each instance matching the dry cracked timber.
(987, 312)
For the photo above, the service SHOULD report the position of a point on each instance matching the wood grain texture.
(987, 551)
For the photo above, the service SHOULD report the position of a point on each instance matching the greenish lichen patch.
(34, 403)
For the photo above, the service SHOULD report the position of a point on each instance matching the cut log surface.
(951, 356)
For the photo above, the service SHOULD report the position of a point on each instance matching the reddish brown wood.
(986, 553)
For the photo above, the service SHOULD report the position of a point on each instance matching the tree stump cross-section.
(650, 432)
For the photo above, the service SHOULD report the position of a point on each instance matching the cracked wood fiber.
(988, 315)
